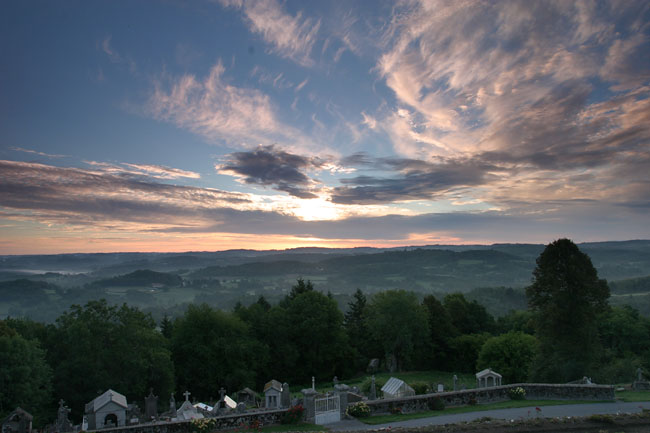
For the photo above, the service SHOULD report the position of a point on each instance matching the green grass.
(383, 419)
(632, 396)
(293, 427)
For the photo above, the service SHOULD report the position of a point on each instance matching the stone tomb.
(18, 421)
(487, 378)
(107, 410)
(272, 394)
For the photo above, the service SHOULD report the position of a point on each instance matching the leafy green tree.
(468, 317)
(100, 346)
(511, 355)
(623, 331)
(213, 349)
(465, 350)
(397, 320)
(441, 331)
(567, 297)
(25, 376)
(316, 331)
(516, 320)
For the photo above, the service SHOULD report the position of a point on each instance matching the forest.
(565, 329)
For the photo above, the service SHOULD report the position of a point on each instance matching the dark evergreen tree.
(355, 327)
(441, 331)
(166, 327)
(300, 287)
(567, 296)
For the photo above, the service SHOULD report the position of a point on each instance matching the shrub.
(358, 410)
(517, 393)
(379, 383)
(419, 387)
(436, 403)
(605, 419)
(293, 415)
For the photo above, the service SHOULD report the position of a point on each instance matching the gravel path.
(572, 410)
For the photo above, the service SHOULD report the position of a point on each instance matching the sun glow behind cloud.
(275, 124)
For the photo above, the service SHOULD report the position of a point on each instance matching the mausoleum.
(107, 410)
(486, 378)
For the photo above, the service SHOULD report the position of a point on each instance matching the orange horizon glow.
(212, 242)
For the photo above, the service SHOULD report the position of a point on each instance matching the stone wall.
(226, 422)
(534, 391)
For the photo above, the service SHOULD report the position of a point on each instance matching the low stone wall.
(534, 391)
(226, 422)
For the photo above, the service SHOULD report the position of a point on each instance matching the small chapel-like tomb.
(107, 410)
(487, 378)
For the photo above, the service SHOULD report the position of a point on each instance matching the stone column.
(309, 404)
(342, 391)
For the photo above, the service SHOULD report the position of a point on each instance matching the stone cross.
(313, 383)
(187, 395)
(335, 380)
(373, 389)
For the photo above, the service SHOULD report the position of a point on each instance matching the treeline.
(568, 331)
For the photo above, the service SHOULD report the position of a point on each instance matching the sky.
(210, 125)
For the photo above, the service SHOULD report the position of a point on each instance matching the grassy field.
(631, 396)
(293, 427)
(432, 378)
(382, 419)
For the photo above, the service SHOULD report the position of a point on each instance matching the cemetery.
(111, 412)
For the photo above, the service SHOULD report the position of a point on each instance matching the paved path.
(517, 413)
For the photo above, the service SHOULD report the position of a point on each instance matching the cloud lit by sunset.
(271, 125)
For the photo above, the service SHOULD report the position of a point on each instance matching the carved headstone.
(172, 405)
(62, 422)
(241, 408)
(151, 406)
(373, 365)
(372, 395)
(285, 396)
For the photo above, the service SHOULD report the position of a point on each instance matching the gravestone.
(285, 396)
(455, 383)
(640, 384)
(172, 406)
(63, 424)
(151, 406)
(241, 408)
(372, 395)
(441, 387)
(373, 365)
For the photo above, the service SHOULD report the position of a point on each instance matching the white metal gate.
(327, 410)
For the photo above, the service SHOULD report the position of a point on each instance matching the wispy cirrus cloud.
(143, 170)
(219, 111)
(35, 152)
(290, 36)
(479, 76)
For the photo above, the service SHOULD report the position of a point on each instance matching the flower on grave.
(203, 425)
(358, 410)
(517, 393)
